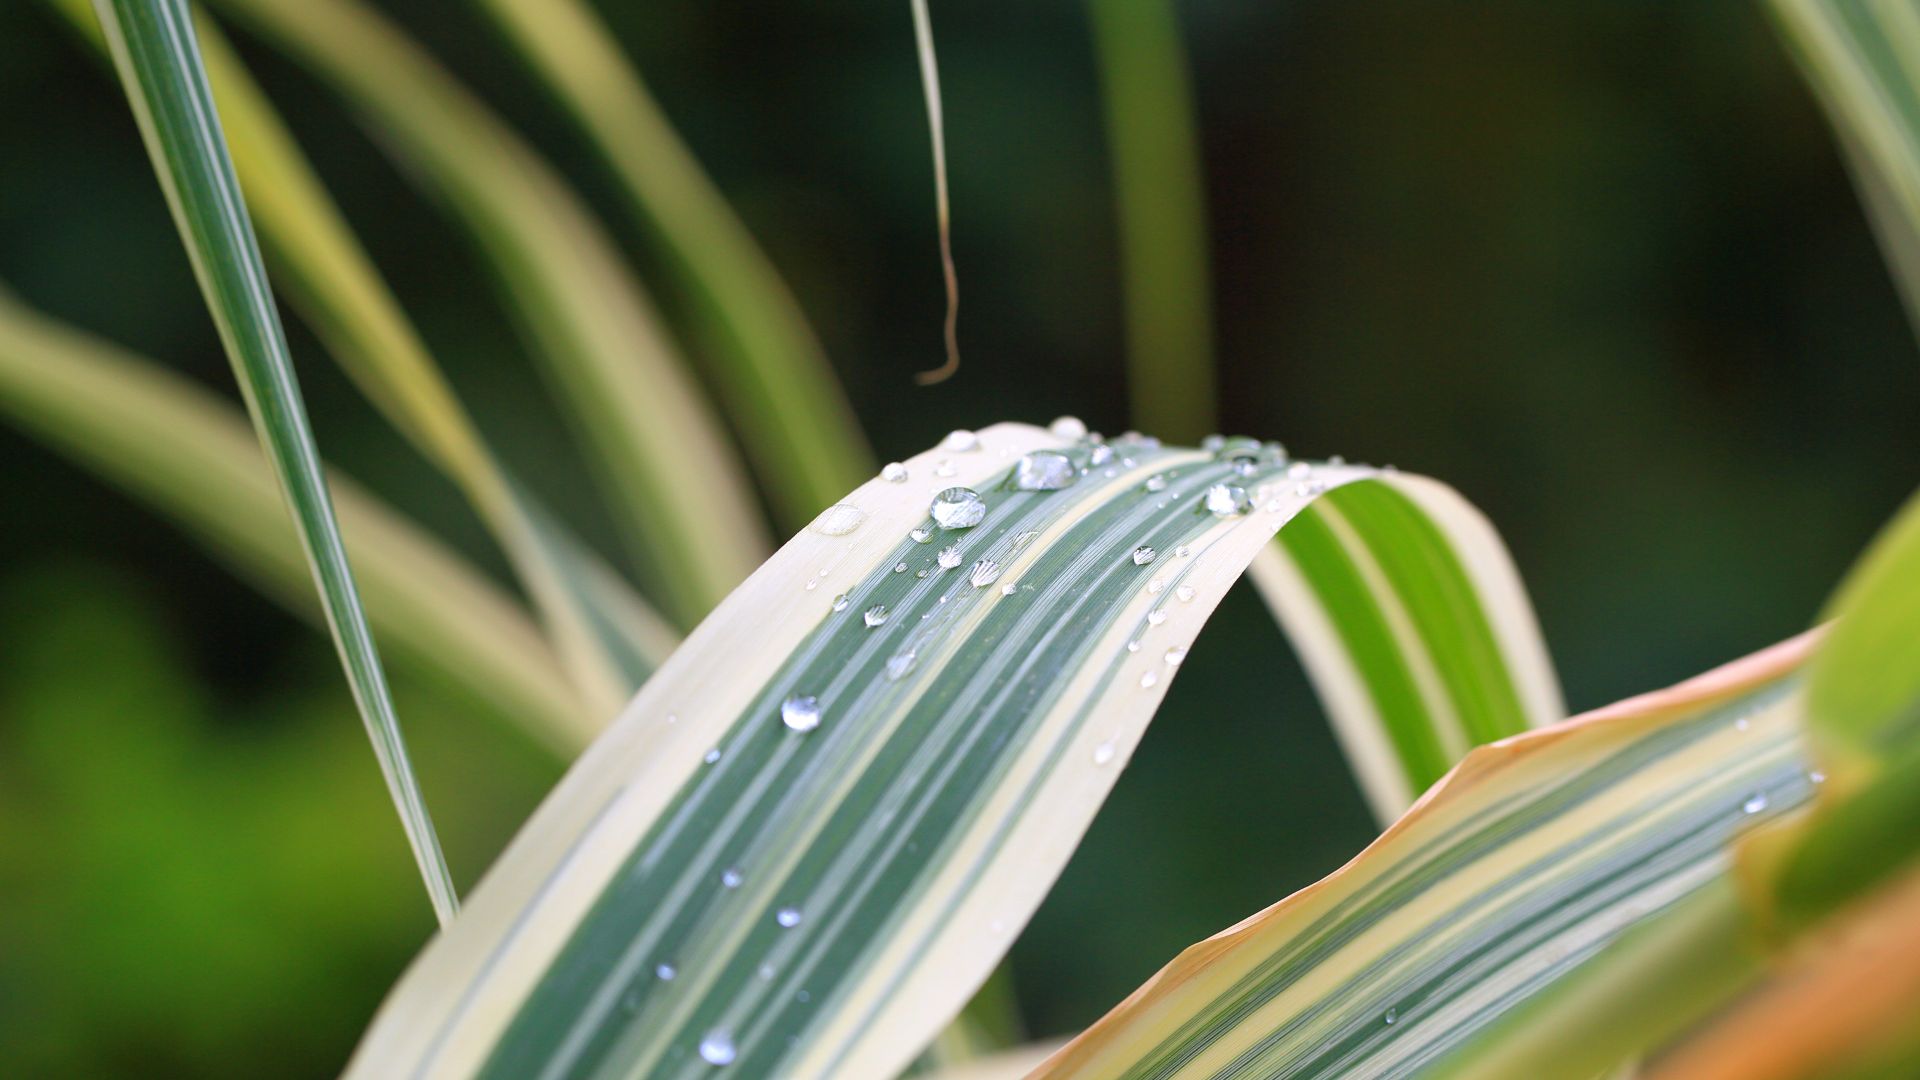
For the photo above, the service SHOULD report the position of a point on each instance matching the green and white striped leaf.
(674, 481)
(773, 376)
(818, 827)
(153, 48)
(193, 458)
(1513, 922)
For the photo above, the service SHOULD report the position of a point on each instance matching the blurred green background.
(1597, 265)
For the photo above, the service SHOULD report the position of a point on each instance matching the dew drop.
(1148, 679)
(766, 972)
(1068, 427)
(958, 508)
(1175, 655)
(731, 877)
(1741, 724)
(665, 972)
(1309, 489)
(1185, 593)
(713, 755)
(1133, 646)
(1182, 551)
(949, 556)
(1155, 586)
(875, 615)
(920, 535)
(812, 584)
(1143, 555)
(984, 573)
(1099, 456)
(1103, 753)
(1009, 589)
(788, 917)
(717, 1049)
(920, 574)
(1816, 777)
(899, 568)
(1299, 470)
(960, 442)
(1391, 1016)
(840, 602)
(1336, 460)
(1024, 539)
(839, 519)
(1212, 444)
(1044, 470)
(801, 712)
(1226, 500)
(899, 665)
(1156, 483)
(944, 467)
(1755, 803)
(1156, 617)
(894, 473)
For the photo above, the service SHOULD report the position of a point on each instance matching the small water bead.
(1226, 500)
(1103, 753)
(1336, 460)
(1009, 589)
(713, 755)
(958, 508)
(788, 917)
(1182, 551)
(1185, 593)
(1099, 456)
(1755, 803)
(840, 602)
(949, 556)
(1391, 1015)
(984, 573)
(1044, 470)
(944, 467)
(1068, 427)
(899, 665)
(875, 615)
(894, 473)
(839, 519)
(665, 972)
(801, 712)
(1133, 646)
(1155, 586)
(920, 574)
(1309, 489)
(1148, 679)
(812, 584)
(1816, 777)
(899, 568)
(1143, 555)
(1024, 539)
(920, 535)
(1156, 617)
(731, 877)
(1299, 470)
(1156, 483)
(717, 1049)
(1175, 655)
(1212, 444)
(960, 442)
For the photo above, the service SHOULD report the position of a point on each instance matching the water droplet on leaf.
(1068, 427)
(801, 712)
(1143, 555)
(949, 556)
(788, 917)
(1226, 500)
(960, 442)
(731, 877)
(894, 473)
(839, 519)
(875, 615)
(717, 1049)
(958, 508)
(984, 573)
(1175, 655)
(1044, 470)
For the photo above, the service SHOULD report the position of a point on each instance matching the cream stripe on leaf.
(823, 821)
(1505, 884)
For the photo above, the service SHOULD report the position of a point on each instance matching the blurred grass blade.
(1864, 692)
(1414, 628)
(1524, 887)
(818, 827)
(675, 480)
(153, 48)
(1862, 59)
(1162, 215)
(319, 264)
(193, 458)
(773, 375)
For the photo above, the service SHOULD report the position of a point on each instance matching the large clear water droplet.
(949, 556)
(717, 1049)
(1068, 427)
(1226, 500)
(801, 712)
(984, 573)
(839, 519)
(1143, 555)
(894, 473)
(788, 917)
(1044, 470)
(958, 508)
(875, 615)
(960, 442)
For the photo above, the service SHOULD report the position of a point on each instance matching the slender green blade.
(1547, 879)
(1864, 693)
(818, 827)
(153, 48)
(775, 379)
(673, 477)
(194, 458)
(1162, 215)
(609, 638)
